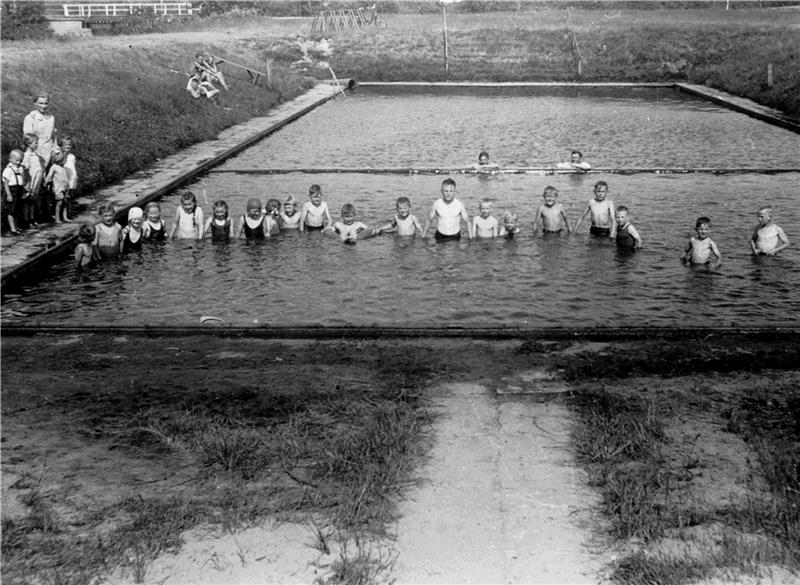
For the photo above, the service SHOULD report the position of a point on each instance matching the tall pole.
(444, 32)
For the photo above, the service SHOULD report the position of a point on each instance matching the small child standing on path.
(552, 215)
(34, 169)
(404, 224)
(349, 230)
(254, 221)
(84, 252)
(154, 227)
(484, 225)
(13, 190)
(315, 215)
(58, 178)
(702, 249)
(70, 165)
(627, 237)
(108, 233)
(220, 225)
(509, 228)
(768, 238)
(132, 234)
(602, 212)
(189, 218)
(290, 216)
(448, 212)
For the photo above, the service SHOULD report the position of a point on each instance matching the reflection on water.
(531, 281)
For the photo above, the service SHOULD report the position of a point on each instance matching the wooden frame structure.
(129, 9)
(327, 21)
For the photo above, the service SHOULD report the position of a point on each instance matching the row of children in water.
(110, 239)
(35, 191)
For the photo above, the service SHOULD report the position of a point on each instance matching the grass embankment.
(126, 105)
(117, 449)
(699, 475)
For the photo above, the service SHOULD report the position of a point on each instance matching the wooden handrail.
(129, 8)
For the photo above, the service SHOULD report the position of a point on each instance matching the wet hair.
(16, 151)
(578, 152)
(702, 220)
(29, 139)
(289, 201)
(187, 195)
(486, 201)
(273, 203)
(314, 189)
(509, 215)
(349, 209)
(767, 208)
(401, 200)
(482, 154)
(253, 203)
(107, 208)
(550, 189)
(600, 184)
(622, 208)
(449, 181)
(86, 232)
(152, 205)
(221, 205)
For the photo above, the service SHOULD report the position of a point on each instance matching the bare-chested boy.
(702, 249)
(554, 219)
(768, 238)
(602, 212)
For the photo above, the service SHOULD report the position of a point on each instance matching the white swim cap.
(135, 213)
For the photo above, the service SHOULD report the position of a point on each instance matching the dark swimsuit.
(128, 246)
(625, 241)
(221, 233)
(600, 231)
(158, 235)
(315, 228)
(256, 233)
(440, 237)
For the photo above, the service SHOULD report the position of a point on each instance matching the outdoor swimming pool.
(530, 282)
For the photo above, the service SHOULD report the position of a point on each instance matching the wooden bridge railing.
(129, 9)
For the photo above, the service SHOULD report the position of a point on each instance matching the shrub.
(23, 20)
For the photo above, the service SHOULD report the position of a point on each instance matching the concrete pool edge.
(52, 241)
(320, 332)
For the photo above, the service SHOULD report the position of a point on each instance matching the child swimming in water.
(349, 230)
(484, 225)
(483, 163)
(404, 224)
(132, 234)
(108, 233)
(702, 249)
(627, 237)
(219, 225)
(189, 218)
(576, 162)
(551, 214)
(84, 252)
(602, 211)
(273, 212)
(155, 230)
(290, 217)
(254, 222)
(768, 238)
(315, 215)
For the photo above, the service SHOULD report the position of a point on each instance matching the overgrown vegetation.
(633, 441)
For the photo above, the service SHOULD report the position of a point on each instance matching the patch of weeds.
(366, 565)
(641, 568)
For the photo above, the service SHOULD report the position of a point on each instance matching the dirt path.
(501, 500)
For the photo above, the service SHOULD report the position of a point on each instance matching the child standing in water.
(155, 230)
(448, 212)
(219, 225)
(315, 215)
(768, 238)
(483, 164)
(627, 237)
(133, 233)
(602, 212)
(84, 252)
(254, 222)
(403, 223)
(273, 212)
(290, 216)
(552, 215)
(484, 225)
(108, 233)
(189, 218)
(575, 162)
(349, 230)
(509, 228)
(702, 249)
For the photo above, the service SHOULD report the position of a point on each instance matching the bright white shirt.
(448, 216)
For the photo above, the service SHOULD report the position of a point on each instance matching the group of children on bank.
(108, 238)
(40, 177)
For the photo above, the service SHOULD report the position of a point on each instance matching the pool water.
(308, 279)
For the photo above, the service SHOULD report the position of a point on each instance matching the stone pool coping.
(22, 254)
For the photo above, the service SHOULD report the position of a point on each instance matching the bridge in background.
(81, 17)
